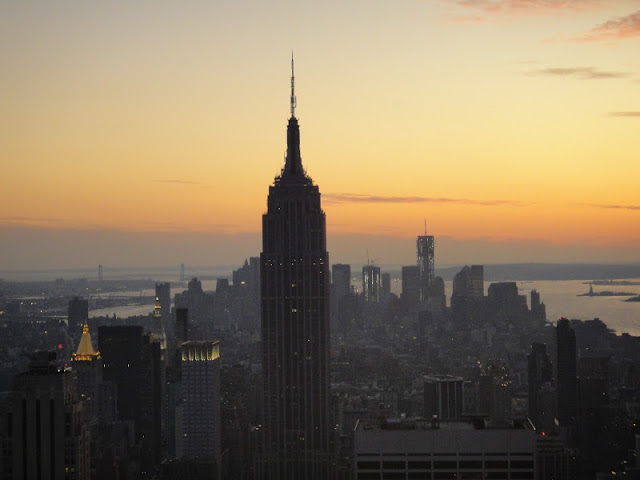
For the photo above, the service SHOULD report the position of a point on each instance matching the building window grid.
(511, 466)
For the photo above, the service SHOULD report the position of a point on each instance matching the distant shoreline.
(607, 294)
(596, 273)
(618, 283)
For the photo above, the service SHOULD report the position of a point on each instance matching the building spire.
(294, 102)
(293, 172)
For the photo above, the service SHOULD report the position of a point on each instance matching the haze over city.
(425, 269)
(145, 134)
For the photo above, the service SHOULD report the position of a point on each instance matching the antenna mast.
(294, 102)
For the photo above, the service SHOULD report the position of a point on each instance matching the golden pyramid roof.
(85, 348)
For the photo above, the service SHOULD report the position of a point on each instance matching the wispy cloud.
(625, 114)
(179, 182)
(614, 207)
(511, 8)
(585, 73)
(619, 28)
(341, 198)
(193, 228)
(28, 220)
(467, 19)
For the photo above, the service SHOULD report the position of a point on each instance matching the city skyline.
(510, 126)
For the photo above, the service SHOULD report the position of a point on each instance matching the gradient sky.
(141, 133)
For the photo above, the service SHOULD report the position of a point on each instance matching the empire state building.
(295, 321)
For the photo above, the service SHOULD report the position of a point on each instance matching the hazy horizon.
(41, 249)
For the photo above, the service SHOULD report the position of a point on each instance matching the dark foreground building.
(46, 436)
(294, 269)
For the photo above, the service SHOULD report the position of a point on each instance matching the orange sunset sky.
(148, 133)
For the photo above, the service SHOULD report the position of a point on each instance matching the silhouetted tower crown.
(293, 172)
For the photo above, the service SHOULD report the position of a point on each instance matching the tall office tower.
(163, 294)
(98, 400)
(506, 304)
(120, 349)
(222, 286)
(247, 277)
(410, 284)
(540, 373)
(246, 295)
(593, 386)
(182, 325)
(198, 419)
(476, 281)
(567, 383)
(254, 277)
(504, 403)
(426, 264)
(486, 395)
(87, 364)
(371, 283)
(341, 279)
(385, 286)
(78, 314)
(340, 296)
(438, 298)
(538, 308)
(49, 439)
(174, 378)
(443, 397)
(468, 289)
(157, 325)
(535, 299)
(295, 321)
(133, 363)
(159, 348)
(99, 273)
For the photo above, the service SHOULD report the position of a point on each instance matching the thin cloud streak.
(525, 7)
(179, 182)
(620, 28)
(584, 73)
(467, 19)
(614, 207)
(341, 198)
(625, 114)
(30, 221)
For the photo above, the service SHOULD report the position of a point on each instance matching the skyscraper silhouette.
(426, 263)
(371, 283)
(78, 315)
(49, 438)
(163, 294)
(539, 374)
(294, 268)
(199, 417)
(567, 372)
